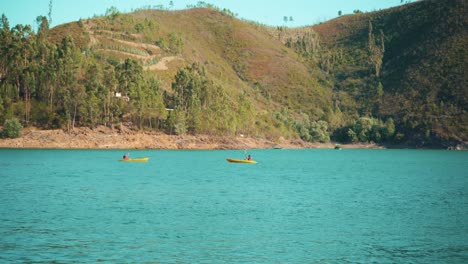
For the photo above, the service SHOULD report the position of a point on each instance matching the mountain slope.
(241, 57)
(422, 68)
(237, 54)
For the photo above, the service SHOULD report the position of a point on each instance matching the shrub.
(352, 136)
(12, 128)
(318, 131)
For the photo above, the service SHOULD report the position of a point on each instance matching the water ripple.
(296, 206)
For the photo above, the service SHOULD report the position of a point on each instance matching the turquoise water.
(294, 206)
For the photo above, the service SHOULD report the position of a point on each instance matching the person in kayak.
(125, 156)
(249, 157)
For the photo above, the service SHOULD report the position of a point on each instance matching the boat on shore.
(145, 159)
(241, 161)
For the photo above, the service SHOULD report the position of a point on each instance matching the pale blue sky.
(270, 12)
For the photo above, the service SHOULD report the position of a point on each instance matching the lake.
(294, 206)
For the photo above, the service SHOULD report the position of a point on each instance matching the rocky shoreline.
(107, 138)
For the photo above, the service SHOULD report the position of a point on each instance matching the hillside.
(393, 77)
(422, 68)
(237, 55)
(240, 56)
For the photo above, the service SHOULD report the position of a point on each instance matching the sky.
(268, 12)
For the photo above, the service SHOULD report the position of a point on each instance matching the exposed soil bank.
(106, 138)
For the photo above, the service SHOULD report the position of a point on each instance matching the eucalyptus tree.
(5, 41)
(132, 83)
(16, 78)
(6, 88)
(50, 11)
(95, 93)
(153, 107)
(111, 105)
(191, 89)
(71, 94)
(376, 52)
(222, 118)
(47, 61)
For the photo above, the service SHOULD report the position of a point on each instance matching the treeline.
(53, 86)
(60, 86)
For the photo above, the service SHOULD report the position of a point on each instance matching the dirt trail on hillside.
(162, 64)
(138, 45)
(156, 51)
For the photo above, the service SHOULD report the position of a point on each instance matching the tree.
(43, 27)
(17, 50)
(302, 125)
(44, 67)
(308, 45)
(162, 43)
(50, 12)
(340, 13)
(6, 38)
(154, 106)
(71, 92)
(112, 12)
(190, 87)
(176, 43)
(139, 27)
(221, 118)
(12, 128)
(389, 130)
(376, 53)
(318, 131)
(96, 95)
(352, 136)
(129, 75)
(179, 125)
(132, 84)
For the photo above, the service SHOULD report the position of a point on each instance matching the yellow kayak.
(241, 161)
(135, 160)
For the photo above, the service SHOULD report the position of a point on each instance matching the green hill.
(421, 76)
(394, 76)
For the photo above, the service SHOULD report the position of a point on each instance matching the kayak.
(241, 161)
(135, 160)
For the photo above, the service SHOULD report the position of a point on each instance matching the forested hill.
(417, 57)
(393, 77)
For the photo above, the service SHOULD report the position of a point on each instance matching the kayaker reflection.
(249, 157)
(125, 156)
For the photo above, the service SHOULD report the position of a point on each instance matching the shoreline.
(107, 138)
